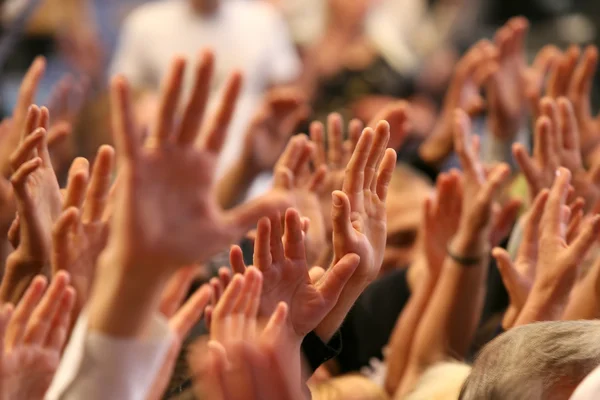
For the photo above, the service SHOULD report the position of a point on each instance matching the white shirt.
(589, 388)
(247, 36)
(95, 366)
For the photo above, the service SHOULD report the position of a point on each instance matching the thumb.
(334, 280)
(511, 278)
(340, 214)
(245, 216)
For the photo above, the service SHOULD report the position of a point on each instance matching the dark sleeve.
(369, 324)
(317, 352)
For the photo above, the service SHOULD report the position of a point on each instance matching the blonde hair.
(348, 387)
(442, 381)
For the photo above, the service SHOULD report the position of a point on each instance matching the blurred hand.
(39, 201)
(560, 259)
(182, 319)
(518, 277)
(397, 114)
(168, 184)
(245, 359)
(506, 98)
(81, 232)
(33, 337)
(293, 177)
(333, 156)
(281, 112)
(471, 73)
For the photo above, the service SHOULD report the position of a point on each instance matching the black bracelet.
(464, 261)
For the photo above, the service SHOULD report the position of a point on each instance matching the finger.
(169, 100)
(191, 311)
(495, 182)
(552, 218)
(335, 279)
(506, 219)
(42, 147)
(28, 90)
(31, 123)
(382, 136)
(236, 259)
(227, 302)
(340, 214)
(318, 180)
(39, 323)
(302, 166)
(568, 125)
(276, 323)
(354, 178)
(215, 135)
(124, 132)
(315, 274)
(253, 302)
(262, 245)
(543, 135)
(175, 291)
(574, 224)
(549, 108)
(275, 239)
(59, 327)
(77, 183)
(217, 290)
(6, 311)
(26, 149)
(583, 77)
(23, 311)
(385, 173)
(224, 276)
(66, 223)
(462, 146)
(317, 137)
(335, 135)
(288, 163)
(293, 239)
(530, 233)
(196, 106)
(98, 193)
(527, 166)
(355, 128)
(510, 277)
(19, 178)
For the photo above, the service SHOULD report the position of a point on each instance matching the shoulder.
(151, 13)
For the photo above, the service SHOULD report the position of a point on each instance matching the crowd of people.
(227, 205)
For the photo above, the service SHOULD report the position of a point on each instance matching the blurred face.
(350, 12)
(205, 6)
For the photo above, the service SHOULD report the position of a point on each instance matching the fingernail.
(336, 200)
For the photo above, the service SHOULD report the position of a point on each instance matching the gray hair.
(545, 360)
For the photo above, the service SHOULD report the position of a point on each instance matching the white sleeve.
(130, 59)
(284, 63)
(589, 388)
(99, 367)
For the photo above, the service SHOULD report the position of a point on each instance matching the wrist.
(469, 243)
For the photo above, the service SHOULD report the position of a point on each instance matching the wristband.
(465, 261)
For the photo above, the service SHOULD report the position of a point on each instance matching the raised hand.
(518, 277)
(39, 201)
(334, 156)
(397, 115)
(167, 185)
(271, 128)
(81, 232)
(536, 74)
(285, 271)
(560, 259)
(293, 177)
(471, 73)
(182, 319)
(33, 336)
(236, 323)
(505, 90)
(441, 219)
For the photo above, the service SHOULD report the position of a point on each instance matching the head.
(205, 7)
(442, 381)
(348, 387)
(545, 360)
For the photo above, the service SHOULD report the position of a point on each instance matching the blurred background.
(352, 56)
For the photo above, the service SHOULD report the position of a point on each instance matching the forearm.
(404, 332)
(122, 304)
(543, 304)
(232, 188)
(18, 274)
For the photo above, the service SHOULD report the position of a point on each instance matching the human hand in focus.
(282, 261)
(560, 259)
(33, 336)
(246, 358)
(273, 125)
(471, 73)
(505, 90)
(81, 232)
(182, 318)
(168, 184)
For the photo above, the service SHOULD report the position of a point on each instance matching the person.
(247, 36)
